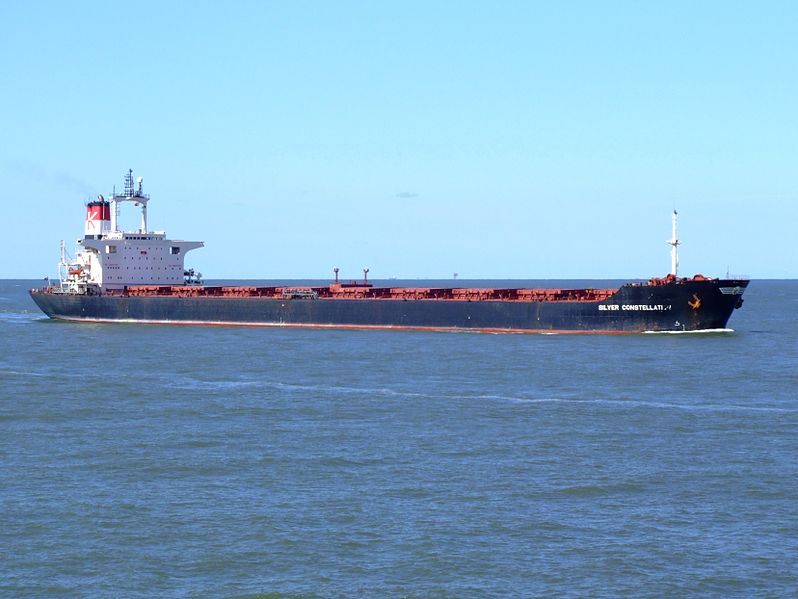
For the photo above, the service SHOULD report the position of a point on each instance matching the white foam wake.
(698, 332)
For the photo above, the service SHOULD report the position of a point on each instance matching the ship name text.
(635, 307)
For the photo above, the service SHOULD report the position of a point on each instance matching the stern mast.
(131, 194)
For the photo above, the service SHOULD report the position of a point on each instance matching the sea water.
(145, 460)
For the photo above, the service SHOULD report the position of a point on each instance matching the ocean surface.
(181, 461)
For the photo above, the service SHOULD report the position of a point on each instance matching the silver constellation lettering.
(636, 307)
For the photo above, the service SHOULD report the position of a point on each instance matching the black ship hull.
(685, 305)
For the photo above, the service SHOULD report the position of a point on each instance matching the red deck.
(366, 290)
(359, 291)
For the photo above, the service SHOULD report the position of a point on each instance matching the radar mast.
(131, 194)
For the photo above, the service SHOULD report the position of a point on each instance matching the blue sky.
(496, 140)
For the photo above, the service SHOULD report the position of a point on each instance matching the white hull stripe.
(373, 327)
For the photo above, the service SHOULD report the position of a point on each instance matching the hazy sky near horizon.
(495, 139)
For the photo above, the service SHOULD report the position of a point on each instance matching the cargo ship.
(140, 276)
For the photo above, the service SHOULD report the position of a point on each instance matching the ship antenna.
(365, 275)
(674, 243)
(335, 270)
(129, 189)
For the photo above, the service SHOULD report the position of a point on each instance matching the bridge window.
(175, 250)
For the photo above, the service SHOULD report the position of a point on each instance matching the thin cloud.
(407, 195)
(39, 174)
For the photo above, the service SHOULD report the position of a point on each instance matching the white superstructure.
(113, 259)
